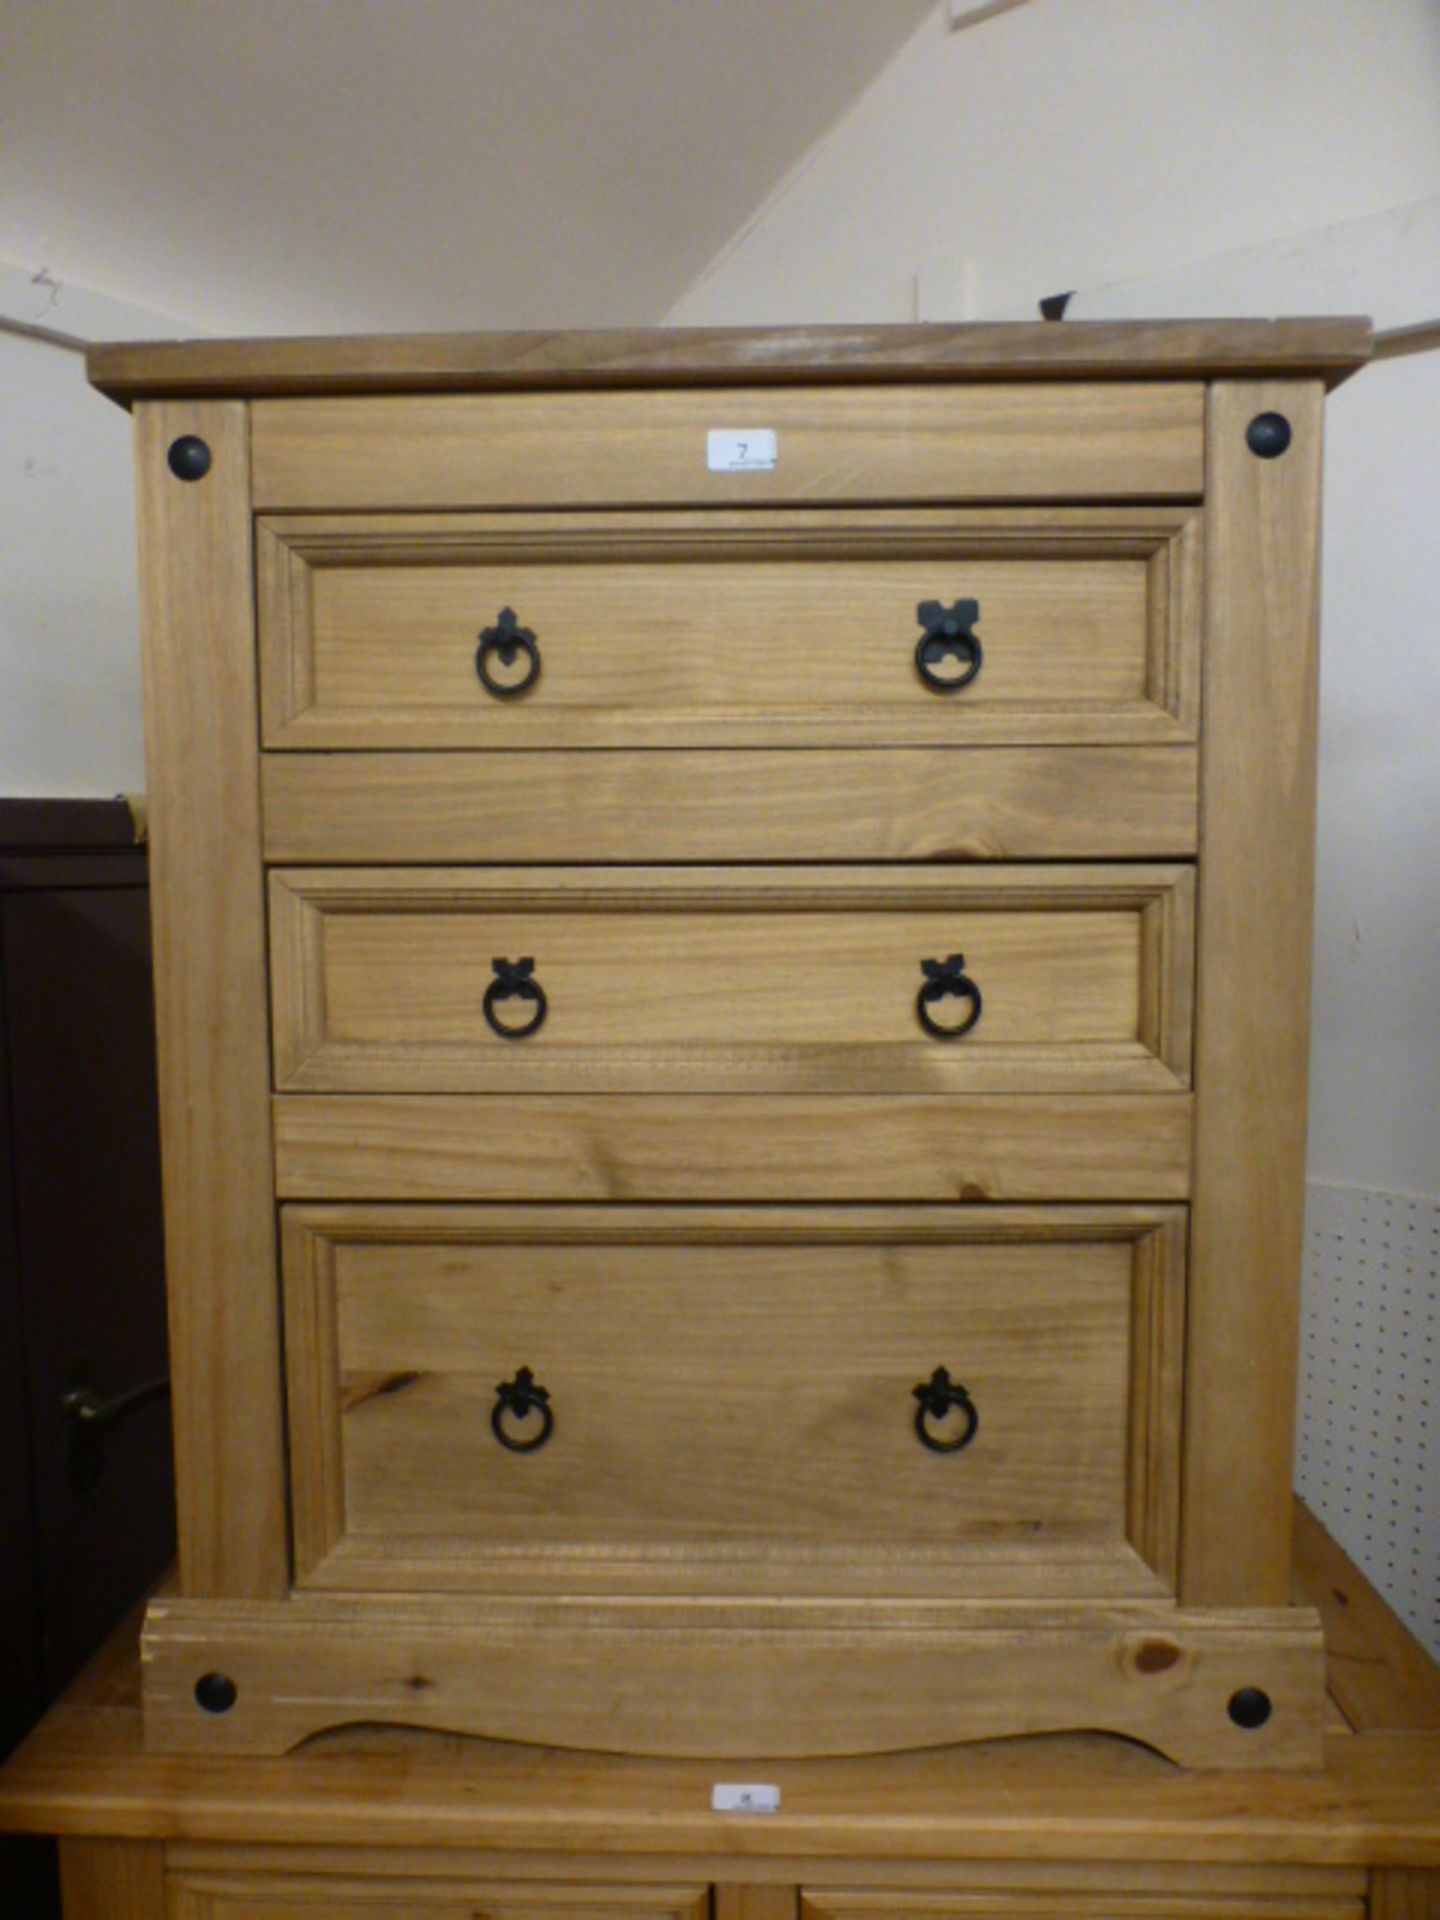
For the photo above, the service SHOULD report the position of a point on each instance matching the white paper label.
(741, 449)
(728, 1797)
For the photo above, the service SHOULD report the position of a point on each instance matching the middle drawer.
(844, 980)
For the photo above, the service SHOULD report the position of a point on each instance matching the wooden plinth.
(1047, 1823)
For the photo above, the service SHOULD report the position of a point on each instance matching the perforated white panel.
(1368, 1453)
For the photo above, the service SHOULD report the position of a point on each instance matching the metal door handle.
(86, 1414)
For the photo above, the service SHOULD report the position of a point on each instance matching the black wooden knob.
(515, 1401)
(1268, 435)
(939, 1397)
(189, 457)
(1249, 1708)
(504, 642)
(949, 635)
(215, 1692)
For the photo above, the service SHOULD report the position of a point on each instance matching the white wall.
(1072, 142)
(1375, 1072)
(70, 720)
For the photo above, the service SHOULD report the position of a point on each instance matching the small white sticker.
(741, 449)
(727, 1797)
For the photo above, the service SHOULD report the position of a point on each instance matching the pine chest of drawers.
(732, 925)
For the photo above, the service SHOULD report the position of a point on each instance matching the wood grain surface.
(368, 1890)
(726, 1678)
(999, 803)
(727, 629)
(380, 363)
(1380, 1675)
(1253, 995)
(211, 994)
(783, 1418)
(862, 444)
(1405, 1893)
(1027, 1814)
(112, 1880)
(832, 1147)
(766, 980)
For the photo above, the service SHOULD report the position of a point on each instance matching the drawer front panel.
(764, 981)
(728, 1383)
(861, 444)
(1005, 803)
(723, 629)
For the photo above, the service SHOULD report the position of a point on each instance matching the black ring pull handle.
(944, 978)
(505, 640)
(515, 1401)
(949, 633)
(939, 1396)
(514, 980)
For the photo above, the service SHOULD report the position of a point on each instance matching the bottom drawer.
(978, 1402)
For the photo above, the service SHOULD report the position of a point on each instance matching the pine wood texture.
(1253, 1000)
(1007, 803)
(112, 1880)
(776, 1443)
(732, 1902)
(1089, 1807)
(1058, 1813)
(1379, 1674)
(1091, 1897)
(689, 356)
(1404, 1894)
(352, 1896)
(698, 1147)
(726, 827)
(763, 980)
(728, 629)
(211, 991)
(764, 1679)
(859, 444)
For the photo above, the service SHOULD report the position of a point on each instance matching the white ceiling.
(333, 165)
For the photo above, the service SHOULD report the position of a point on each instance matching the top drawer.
(859, 444)
(800, 627)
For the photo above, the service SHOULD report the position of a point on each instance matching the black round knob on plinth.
(1268, 435)
(1249, 1708)
(215, 1692)
(189, 457)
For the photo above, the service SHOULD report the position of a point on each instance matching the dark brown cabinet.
(86, 1506)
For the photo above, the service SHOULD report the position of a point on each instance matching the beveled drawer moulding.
(732, 1038)
(1071, 979)
(1054, 1470)
(728, 628)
